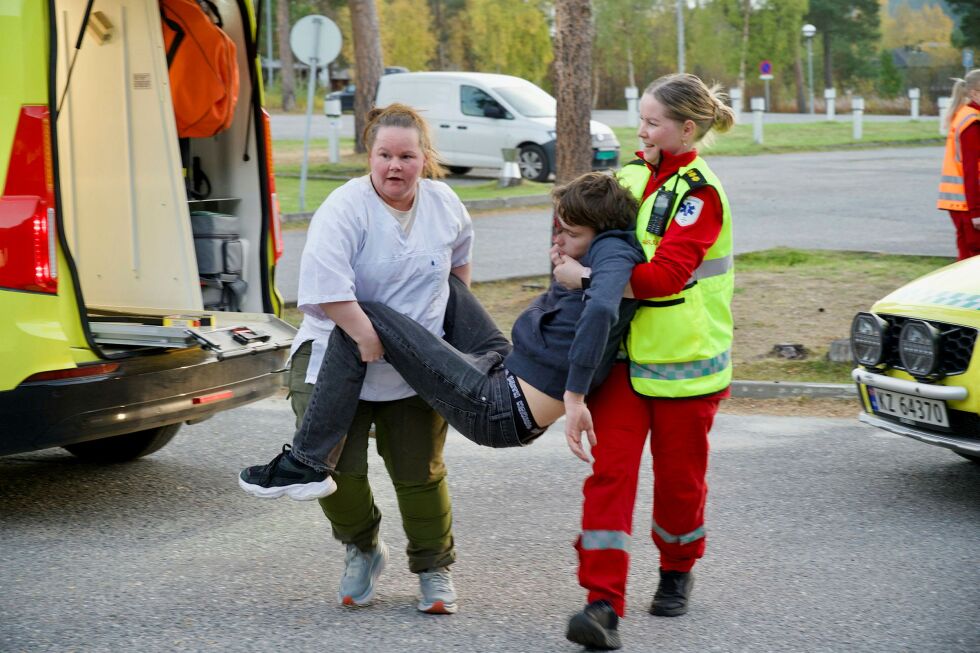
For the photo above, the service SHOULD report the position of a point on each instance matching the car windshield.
(528, 100)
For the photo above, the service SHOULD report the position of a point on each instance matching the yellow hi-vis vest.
(680, 345)
(952, 192)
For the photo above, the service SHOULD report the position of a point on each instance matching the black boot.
(672, 593)
(595, 627)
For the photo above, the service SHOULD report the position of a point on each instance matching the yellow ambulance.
(133, 298)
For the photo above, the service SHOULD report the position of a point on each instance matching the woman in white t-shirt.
(393, 236)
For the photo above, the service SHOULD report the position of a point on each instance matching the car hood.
(950, 294)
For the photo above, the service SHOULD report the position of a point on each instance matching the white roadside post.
(315, 40)
(857, 105)
(758, 105)
(331, 107)
(943, 103)
(830, 97)
(914, 101)
(510, 172)
(632, 111)
(735, 94)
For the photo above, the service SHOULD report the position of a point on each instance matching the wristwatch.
(586, 282)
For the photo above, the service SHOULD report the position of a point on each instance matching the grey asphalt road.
(823, 535)
(880, 200)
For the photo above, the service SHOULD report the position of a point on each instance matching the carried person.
(495, 394)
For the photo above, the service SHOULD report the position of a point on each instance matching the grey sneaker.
(361, 570)
(438, 593)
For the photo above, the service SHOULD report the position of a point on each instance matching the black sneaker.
(595, 627)
(286, 476)
(672, 593)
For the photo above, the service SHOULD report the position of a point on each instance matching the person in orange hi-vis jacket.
(959, 188)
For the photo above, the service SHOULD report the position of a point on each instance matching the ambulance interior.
(124, 209)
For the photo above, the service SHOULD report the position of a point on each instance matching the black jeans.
(461, 377)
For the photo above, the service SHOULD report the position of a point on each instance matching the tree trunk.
(744, 54)
(287, 76)
(439, 23)
(369, 63)
(800, 83)
(573, 67)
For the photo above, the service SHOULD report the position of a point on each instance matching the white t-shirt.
(356, 250)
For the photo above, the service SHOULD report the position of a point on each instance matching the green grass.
(812, 370)
(807, 137)
(840, 264)
(317, 190)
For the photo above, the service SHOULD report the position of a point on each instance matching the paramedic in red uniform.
(678, 368)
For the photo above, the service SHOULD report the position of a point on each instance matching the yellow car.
(134, 297)
(919, 366)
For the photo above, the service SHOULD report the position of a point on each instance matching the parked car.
(475, 116)
(919, 366)
(131, 303)
(346, 95)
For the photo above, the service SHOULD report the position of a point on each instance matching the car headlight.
(868, 335)
(918, 347)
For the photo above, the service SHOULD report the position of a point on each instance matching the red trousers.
(678, 431)
(967, 236)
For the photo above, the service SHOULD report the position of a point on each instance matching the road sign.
(765, 67)
(765, 77)
(315, 39)
(967, 58)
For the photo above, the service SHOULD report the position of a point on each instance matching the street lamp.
(808, 33)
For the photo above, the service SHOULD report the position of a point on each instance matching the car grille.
(956, 345)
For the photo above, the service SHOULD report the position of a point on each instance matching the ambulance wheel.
(533, 162)
(128, 446)
(458, 170)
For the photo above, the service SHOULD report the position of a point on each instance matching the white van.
(474, 115)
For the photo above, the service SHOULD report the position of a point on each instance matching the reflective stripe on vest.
(681, 371)
(712, 268)
(605, 541)
(680, 346)
(686, 538)
(952, 191)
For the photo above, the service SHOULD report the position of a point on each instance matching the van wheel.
(120, 448)
(458, 170)
(533, 162)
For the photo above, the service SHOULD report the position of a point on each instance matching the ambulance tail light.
(275, 226)
(28, 233)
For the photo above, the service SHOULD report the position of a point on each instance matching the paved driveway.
(867, 200)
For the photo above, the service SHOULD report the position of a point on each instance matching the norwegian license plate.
(909, 408)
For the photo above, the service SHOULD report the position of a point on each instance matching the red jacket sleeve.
(970, 149)
(681, 250)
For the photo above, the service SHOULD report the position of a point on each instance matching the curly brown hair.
(595, 200)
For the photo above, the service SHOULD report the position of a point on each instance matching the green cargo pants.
(409, 438)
